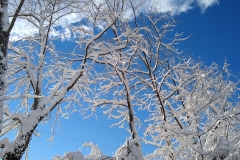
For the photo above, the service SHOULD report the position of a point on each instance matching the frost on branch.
(128, 151)
(94, 155)
(122, 68)
(201, 116)
(45, 79)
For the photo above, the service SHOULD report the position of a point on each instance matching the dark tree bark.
(4, 37)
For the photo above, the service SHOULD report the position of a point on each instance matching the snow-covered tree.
(129, 74)
(118, 65)
(94, 155)
(202, 114)
(43, 78)
(189, 105)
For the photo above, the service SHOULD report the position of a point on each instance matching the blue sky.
(215, 35)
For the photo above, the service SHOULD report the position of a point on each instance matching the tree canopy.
(119, 66)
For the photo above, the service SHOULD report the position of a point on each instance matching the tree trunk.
(4, 37)
(18, 149)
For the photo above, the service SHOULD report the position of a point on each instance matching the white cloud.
(176, 6)
(204, 4)
(70, 19)
(22, 28)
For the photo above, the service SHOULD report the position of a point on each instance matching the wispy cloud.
(176, 6)
(204, 4)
